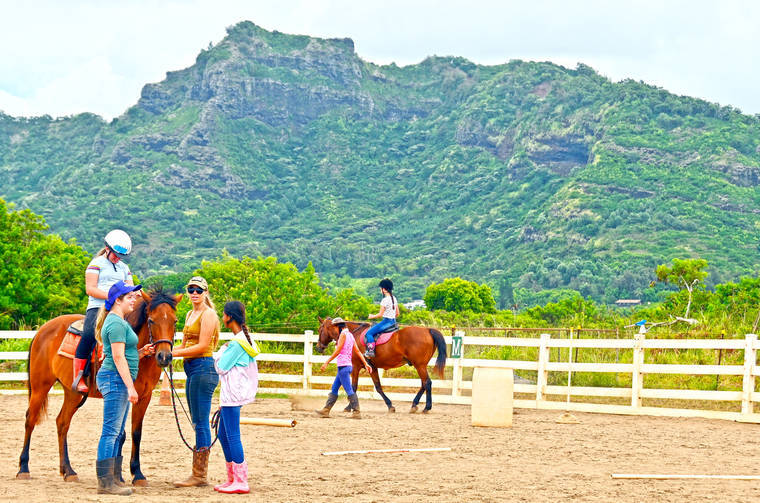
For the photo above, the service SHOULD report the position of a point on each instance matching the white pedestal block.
(492, 396)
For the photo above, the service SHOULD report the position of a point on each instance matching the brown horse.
(154, 320)
(412, 345)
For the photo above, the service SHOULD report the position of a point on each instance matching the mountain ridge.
(522, 175)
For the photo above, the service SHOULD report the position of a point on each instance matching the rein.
(170, 375)
(214, 418)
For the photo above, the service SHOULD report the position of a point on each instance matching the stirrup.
(370, 353)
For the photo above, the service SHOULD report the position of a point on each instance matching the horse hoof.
(23, 476)
(413, 410)
(391, 410)
(425, 411)
(140, 483)
(71, 478)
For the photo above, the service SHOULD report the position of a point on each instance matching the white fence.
(458, 388)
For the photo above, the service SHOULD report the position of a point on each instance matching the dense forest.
(528, 177)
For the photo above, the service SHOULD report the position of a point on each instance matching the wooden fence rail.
(459, 387)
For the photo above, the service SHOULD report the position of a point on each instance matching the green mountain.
(522, 175)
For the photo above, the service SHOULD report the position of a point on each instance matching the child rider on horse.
(103, 271)
(388, 312)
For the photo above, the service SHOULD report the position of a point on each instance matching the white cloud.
(67, 57)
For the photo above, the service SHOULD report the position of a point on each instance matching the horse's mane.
(158, 296)
(359, 325)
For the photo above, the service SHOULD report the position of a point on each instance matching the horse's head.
(156, 322)
(327, 332)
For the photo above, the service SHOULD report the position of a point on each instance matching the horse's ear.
(178, 298)
(320, 319)
(145, 296)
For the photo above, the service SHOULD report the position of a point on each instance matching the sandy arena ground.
(535, 460)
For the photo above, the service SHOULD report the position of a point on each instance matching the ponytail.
(245, 331)
(209, 302)
(236, 311)
(102, 313)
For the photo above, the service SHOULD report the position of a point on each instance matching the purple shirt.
(344, 357)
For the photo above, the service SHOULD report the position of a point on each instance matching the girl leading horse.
(413, 345)
(154, 320)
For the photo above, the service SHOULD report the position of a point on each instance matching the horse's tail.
(440, 344)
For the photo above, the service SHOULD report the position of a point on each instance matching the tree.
(686, 274)
(41, 276)
(277, 296)
(457, 294)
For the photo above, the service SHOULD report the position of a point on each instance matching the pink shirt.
(344, 357)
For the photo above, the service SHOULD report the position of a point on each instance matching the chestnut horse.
(154, 320)
(412, 345)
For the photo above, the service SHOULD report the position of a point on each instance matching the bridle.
(170, 342)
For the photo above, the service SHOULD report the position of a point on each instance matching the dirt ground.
(535, 460)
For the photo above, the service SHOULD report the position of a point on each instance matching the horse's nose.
(164, 358)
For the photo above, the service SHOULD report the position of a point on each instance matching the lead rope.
(214, 418)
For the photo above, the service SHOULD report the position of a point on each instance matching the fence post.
(543, 361)
(637, 378)
(456, 385)
(748, 383)
(307, 353)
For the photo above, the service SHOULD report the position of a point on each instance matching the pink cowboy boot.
(240, 483)
(230, 478)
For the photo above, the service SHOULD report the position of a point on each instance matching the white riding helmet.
(119, 242)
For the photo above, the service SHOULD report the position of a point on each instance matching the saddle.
(68, 349)
(383, 336)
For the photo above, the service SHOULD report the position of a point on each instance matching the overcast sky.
(68, 56)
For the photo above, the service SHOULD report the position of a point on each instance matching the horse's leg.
(378, 387)
(426, 387)
(428, 396)
(70, 402)
(138, 414)
(37, 403)
(354, 384)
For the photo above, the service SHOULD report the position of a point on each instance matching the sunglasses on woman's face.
(195, 289)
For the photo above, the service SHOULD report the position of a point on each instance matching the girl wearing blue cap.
(116, 381)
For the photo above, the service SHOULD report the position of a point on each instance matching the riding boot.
(240, 480)
(117, 478)
(200, 469)
(353, 400)
(104, 469)
(78, 382)
(230, 477)
(370, 353)
(325, 411)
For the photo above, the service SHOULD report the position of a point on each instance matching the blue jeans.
(229, 435)
(199, 387)
(115, 410)
(378, 328)
(343, 379)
